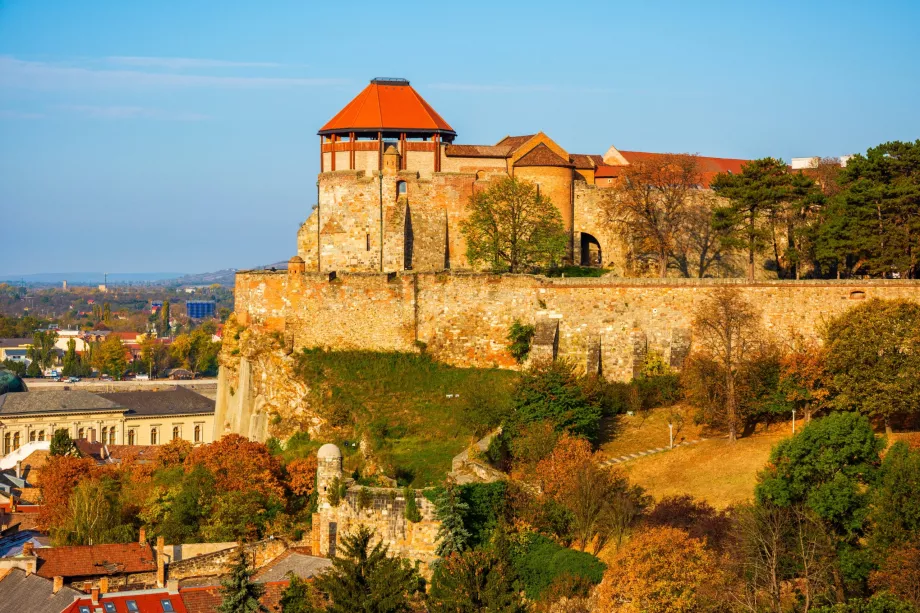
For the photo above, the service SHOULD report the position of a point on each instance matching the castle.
(379, 267)
(393, 187)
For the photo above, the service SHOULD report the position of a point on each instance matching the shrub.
(412, 513)
(555, 393)
(539, 562)
(365, 498)
(334, 494)
(520, 337)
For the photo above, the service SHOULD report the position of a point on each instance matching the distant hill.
(222, 277)
(94, 278)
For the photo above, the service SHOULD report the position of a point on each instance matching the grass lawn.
(407, 406)
(645, 430)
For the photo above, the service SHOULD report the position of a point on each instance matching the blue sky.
(181, 136)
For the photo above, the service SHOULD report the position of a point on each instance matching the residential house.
(21, 591)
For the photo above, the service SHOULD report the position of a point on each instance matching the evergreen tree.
(62, 444)
(412, 512)
(298, 597)
(240, 594)
(450, 510)
(71, 359)
(106, 312)
(474, 582)
(364, 578)
(164, 322)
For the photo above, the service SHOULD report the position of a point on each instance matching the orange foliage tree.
(802, 379)
(559, 470)
(900, 574)
(301, 475)
(661, 570)
(57, 480)
(239, 464)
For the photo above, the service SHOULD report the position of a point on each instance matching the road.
(205, 387)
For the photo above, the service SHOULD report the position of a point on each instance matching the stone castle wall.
(603, 325)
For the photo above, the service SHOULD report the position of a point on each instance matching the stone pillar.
(329, 468)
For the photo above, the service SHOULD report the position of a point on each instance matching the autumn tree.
(163, 328)
(753, 197)
(729, 334)
(364, 578)
(699, 249)
(873, 359)
(301, 475)
(110, 358)
(512, 227)
(803, 379)
(899, 574)
(94, 516)
(57, 480)
(239, 464)
(154, 356)
(660, 570)
(472, 582)
(651, 201)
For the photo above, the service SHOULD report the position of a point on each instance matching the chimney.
(58, 584)
(19, 469)
(104, 585)
(143, 537)
(95, 595)
(161, 563)
(28, 548)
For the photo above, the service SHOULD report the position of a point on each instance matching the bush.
(555, 393)
(412, 513)
(657, 391)
(539, 562)
(520, 337)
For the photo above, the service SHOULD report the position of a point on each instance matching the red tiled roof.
(582, 160)
(709, 167)
(95, 560)
(478, 151)
(605, 171)
(515, 141)
(541, 155)
(207, 599)
(146, 600)
(387, 106)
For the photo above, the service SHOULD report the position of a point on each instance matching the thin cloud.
(184, 63)
(5, 114)
(488, 88)
(23, 74)
(132, 112)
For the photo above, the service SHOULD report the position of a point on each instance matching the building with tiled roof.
(21, 591)
(133, 601)
(394, 187)
(87, 562)
(100, 420)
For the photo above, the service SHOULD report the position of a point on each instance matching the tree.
(894, 514)
(57, 480)
(164, 328)
(651, 202)
(728, 328)
(873, 359)
(473, 582)
(826, 468)
(512, 227)
(661, 570)
(110, 358)
(552, 391)
(301, 475)
(42, 350)
(899, 574)
(699, 250)
(154, 356)
(94, 516)
(239, 594)
(753, 199)
(365, 578)
(62, 445)
(299, 597)
(450, 510)
(873, 224)
(239, 464)
(803, 379)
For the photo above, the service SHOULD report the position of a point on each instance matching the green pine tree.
(412, 513)
(164, 323)
(240, 594)
(450, 510)
(62, 444)
(472, 582)
(365, 578)
(298, 597)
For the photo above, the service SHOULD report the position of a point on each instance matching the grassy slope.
(404, 396)
(714, 470)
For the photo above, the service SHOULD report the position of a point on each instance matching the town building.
(119, 418)
(393, 187)
(22, 591)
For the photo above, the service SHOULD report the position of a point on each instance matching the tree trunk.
(888, 430)
(730, 407)
(839, 592)
(662, 265)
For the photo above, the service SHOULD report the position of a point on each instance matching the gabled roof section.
(615, 161)
(54, 401)
(94, 560)
(388, 105)
(583, 160)
(478, 151)
(524, 147)
(177, 401)
(541, 155)
(20, 592)
(515, 141)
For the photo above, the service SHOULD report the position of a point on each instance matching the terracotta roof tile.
(582, 160)
(387, 106)
(207, 599)
(478, 151)
(541, 155)
(95, 560)
(146, 600)
(515, 141)
(709, 166)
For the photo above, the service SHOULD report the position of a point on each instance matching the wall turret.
(328, 469)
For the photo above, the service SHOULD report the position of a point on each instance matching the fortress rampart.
(604, 325)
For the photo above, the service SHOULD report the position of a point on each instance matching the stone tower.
(328, 468)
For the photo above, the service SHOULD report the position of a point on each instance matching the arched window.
(80, 433)
(153, 436)
(15, 441)
(401, 189)
(41, 435)
(105, 434)
(6, 443)
(197, 434)
(112, 435)
(130, 437)
(32, 436)
(175, 432)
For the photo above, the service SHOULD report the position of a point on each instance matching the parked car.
(56, 379)
(73, 380)
(106, 378)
